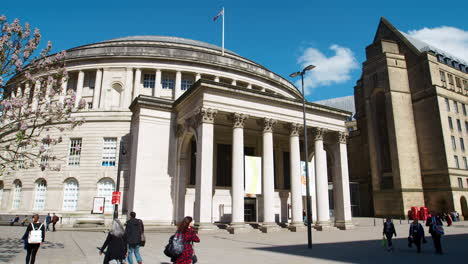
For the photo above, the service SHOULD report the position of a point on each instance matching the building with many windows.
(411, 111)
(186, 116)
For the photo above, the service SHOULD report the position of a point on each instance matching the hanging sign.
(115, 197)
(98, 205)
(311, 177)
(253, 175)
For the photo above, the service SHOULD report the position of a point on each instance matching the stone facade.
(408, 111)
(186, 116)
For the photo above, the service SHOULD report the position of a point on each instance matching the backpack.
(35, 235)
(175, 247)
(438, 229)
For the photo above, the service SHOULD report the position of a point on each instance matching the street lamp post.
(122, 152)
(306, 150)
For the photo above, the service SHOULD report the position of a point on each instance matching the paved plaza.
(360, 245)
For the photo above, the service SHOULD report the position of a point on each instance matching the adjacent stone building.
(187, 116)
(411, 110)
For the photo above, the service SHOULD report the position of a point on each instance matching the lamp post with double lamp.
(308, 200)
(122, 152)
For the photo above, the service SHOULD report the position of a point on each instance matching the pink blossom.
(2, 18)
(77, 147)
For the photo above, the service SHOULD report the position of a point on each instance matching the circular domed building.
(196, 133)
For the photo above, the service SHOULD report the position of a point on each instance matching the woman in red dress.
(189, 235)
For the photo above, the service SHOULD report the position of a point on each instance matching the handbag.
(384, 242)
(142, 237)
(437, 228)
(35, 235)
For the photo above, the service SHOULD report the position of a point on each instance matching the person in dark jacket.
(32, 249)
(431, 222)
(48, 220)
(416, 234)
(115, 243)
(389, 231)
(133, 231)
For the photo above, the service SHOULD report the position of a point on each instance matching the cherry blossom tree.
(37, 107)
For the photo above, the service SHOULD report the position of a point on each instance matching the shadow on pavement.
(372, 251)
(10, 247)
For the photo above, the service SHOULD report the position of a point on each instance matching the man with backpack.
(55, 219)
(389, 231)
(134, 232)
(436, 230)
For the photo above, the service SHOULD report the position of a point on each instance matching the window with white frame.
(455, 104)
(75, 152)
(450, 122)
(457, 165)
(465, 162)
(462, 144)
(21, 159)
(454, 143)
(460, 183)
(464, 109)
(105, 189)
(40, 196)
(186, 84)
(45, 155)
(167, 83)
(16, 195)
(459, 125)
(109, 152)
(447, 104)
(70, 195)
(442, 77)
(148, 80)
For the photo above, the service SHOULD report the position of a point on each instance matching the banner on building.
(98, 205)
(303, 177)
(253, 175)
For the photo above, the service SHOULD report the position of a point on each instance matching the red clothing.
(188, 237)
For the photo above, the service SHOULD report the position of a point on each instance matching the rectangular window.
(465, 84)
(90, 105)
(75, 152)
(450, 78)
(466, 126)
(21, 159)
(465, 162)
(148, 80)
(450, 122)
(460, 183)
(464, 109)
(447, 103)
(45, 155)
(455, 105)
(457, 165)
(457, 82)
(186, 84)
(459, 125)
(109, 152)
(462, 144)
(168, 83)
(442, 76)
(454, 143)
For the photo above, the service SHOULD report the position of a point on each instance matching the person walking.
(436, 230)
(33, 238)
(416, 234)
(55, 219)
(389, 231)
(189, 236)
(116, 244)
(134, 232)
(48, 219)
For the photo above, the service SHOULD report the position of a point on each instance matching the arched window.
(70, 195)
(41, 193)
(16, 195)
(105, 189)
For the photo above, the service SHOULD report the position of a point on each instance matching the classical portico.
(215, 125)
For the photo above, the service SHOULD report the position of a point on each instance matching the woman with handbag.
(116, 244)
(189, 236)
(33, 238)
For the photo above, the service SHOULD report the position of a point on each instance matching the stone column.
(197, 77)
(216, 79)
(234, 82)
(296, 186)
(268, 177)
(127, 92)
(321, 181)
(249, 86)
(136, 86)
(97, 89)
(79, 88)
(237, 222)
(341, 185)
(157, 84)
(178, 85)
(204, 123)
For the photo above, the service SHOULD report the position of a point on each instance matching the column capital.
(294, 129)
(203, 115)
(319, 133)
(238, 120)
(343, 137)
(268, 124)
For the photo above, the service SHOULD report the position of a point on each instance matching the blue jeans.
(134, 248)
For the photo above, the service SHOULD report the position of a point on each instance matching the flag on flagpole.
(219, 14)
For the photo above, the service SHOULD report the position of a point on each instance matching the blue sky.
(276, 34)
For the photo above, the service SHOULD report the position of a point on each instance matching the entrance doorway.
(250, 209)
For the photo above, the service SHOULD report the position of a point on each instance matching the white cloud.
(329, 70)
(449, 39)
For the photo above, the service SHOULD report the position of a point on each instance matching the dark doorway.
(250, 209)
